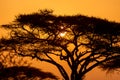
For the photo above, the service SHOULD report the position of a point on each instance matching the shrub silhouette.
(24, 73)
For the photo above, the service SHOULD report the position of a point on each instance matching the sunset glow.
(62, 34)
(105, 9)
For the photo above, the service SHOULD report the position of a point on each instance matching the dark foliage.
(7, 56)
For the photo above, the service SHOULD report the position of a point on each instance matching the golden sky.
(108, 9)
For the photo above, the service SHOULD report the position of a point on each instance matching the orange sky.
(109, 9)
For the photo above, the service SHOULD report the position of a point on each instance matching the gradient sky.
(108, 9)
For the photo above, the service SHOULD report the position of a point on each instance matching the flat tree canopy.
(82, 42)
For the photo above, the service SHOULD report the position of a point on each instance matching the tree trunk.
(76, 77)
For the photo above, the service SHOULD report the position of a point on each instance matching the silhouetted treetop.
(82, 23)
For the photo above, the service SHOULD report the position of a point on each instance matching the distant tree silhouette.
(24, 73)
(82, 42)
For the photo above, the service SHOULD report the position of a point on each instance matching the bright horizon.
(104, 9)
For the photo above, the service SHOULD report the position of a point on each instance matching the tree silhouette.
(87, 42)
(24, 73)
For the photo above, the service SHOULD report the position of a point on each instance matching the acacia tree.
(82, 42)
